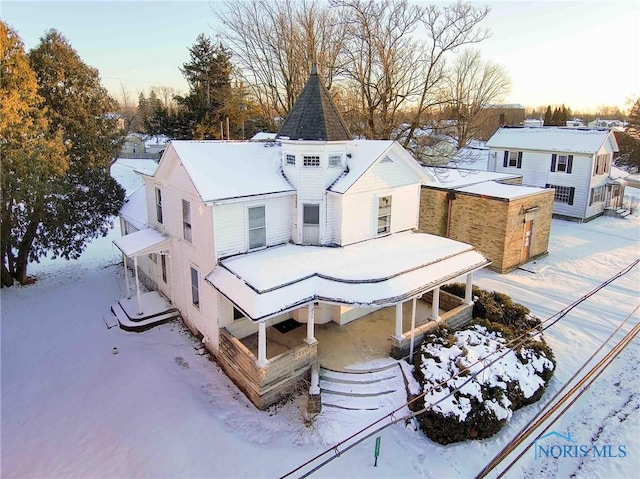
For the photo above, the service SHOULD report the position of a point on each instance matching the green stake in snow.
(377, 453)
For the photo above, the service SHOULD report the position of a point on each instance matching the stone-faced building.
(508, 223)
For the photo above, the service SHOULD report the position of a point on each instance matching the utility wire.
(596, 371)
(528, 428)
(507, 348)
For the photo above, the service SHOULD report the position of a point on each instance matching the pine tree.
(208, 74)
(72, 197)
(548, 116)
(629, 141)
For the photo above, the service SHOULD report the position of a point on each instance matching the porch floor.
(361, 344)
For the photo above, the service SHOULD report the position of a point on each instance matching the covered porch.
(329, 291)
(366, 343)
(147, 308)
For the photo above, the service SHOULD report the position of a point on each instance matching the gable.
(171, 172)
(381, 162)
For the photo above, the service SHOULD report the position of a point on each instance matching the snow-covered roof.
(134, 210)
(145, 241)
(378, 272)
(500, 190)
(486, 183)
(550, 139)
(363, 154)
(263, 136)
(156, 140)
(446, 177)
(223, 170)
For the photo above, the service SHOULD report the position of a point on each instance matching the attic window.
(335, 161)
(386, 159)
(311, 161)
(291, 160)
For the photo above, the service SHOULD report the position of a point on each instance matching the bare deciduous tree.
(380, 56)
(275, 42)
(448, 28)
(472, 86)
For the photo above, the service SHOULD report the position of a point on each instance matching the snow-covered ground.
(73, 408)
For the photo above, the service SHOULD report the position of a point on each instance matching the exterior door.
(311, 224)
(526, 244)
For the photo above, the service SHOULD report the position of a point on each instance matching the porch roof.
(145, 241)
(377, 272)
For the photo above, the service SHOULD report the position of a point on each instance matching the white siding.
(334, 219)
(231, 224)
(383, 176)
(176, 186)
(360, 212)
(536, 171)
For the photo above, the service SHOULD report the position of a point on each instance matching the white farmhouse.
(575, 162)
(313, 228)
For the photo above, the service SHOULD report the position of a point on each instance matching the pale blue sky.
(580, 53)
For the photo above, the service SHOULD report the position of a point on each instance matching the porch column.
(310, 339)
(468, 292)
(262, 345)
(435, 305)
(398, 333)
(126, 277)
(413, 329)
(135, 267)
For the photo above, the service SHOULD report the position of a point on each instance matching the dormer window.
(311, 161)
(291, 160)
(335, 161)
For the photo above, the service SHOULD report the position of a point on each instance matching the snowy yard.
(73, 408)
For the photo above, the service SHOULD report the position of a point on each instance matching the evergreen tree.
(548, 116)
(33, 158)
(78, 201)
(208, 74)
(555, 118)
(629, 141)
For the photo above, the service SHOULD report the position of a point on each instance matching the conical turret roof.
(314, 116)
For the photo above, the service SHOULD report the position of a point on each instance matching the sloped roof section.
(551, 139)
(314, 116)
(223, 170)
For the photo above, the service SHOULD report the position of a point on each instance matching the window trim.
(163, 267)
(195, 288)
(249, 229)
(511, 161)
(158, 195)
(563, 194)
(383, 214)
(555, 163)
(311, 161)
(187, 229)
(601, 193)
(334, 157)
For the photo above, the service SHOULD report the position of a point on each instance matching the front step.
(128, 324)
(363, 390)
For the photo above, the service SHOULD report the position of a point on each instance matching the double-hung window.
(163, 264)
(159, 205)
(257, 227)
(186, 220)
(384, 214)
(512, 159)
(597, 195)
(195, 288)
(561, 163)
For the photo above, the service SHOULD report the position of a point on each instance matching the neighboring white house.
(575, 162)
(314, 227)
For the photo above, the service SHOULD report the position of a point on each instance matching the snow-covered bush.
(481, 398)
